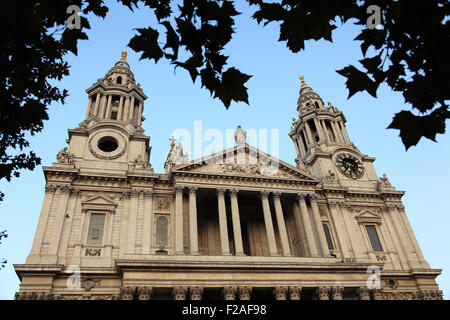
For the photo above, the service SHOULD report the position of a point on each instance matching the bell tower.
(323, 145)
(111, 134)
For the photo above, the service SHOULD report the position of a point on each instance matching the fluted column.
(108, 107)
(88, 110)
(224, 244)
(319, 228)
(179, 220)
(193, 233)
(139, 115)
(120, 113)
(97, 103)
(281, 224)
(131, 109)
(236, 223)
(308, 226)
(268, 223)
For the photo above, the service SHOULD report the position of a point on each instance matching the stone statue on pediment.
(240, 136)
(64, 157)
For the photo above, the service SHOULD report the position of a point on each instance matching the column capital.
(179, 293)
(178, 189)
(195, 293)
(221, 192)
(144, 293)
(294, 293)
(245, 293)
(234, 191)
(280, 293)
(148, 194)
(301, 196)
(313, 197)
(362, 293)
(229, 293)
(336, 293)
(264, 194)
(193, 189)
(277, 194)
(322, 293)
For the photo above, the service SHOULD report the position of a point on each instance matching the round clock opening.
(108, 144)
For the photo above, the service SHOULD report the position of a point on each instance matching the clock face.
(349, 165)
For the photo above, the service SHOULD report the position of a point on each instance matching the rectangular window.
(373, 237)
(96, 226)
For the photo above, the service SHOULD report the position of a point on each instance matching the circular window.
(108, 144)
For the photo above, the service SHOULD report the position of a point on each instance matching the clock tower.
(324, 147)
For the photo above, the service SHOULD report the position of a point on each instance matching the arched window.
(316, 104)
(119, 80)
(161, 230)
(326, 230)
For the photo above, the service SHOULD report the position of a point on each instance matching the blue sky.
(174, 102)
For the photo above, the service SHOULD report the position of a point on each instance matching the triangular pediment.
(368, 216)
(99, 200)
(244, 161)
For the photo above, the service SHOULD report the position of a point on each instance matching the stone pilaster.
(179, 249)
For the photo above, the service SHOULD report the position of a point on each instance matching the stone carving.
(377, 294)
(280, 293)
(127, 293)
(337, 292)
(179, 293)
(144, 293)
(240, 136)
(93, 252)
(430, 295)
(384, 181)
(229, 293)
(88, 284)
(294, 293)
(64, 157)
(391, 283)
(381, 257)
(244, 293)
(330, 177)
(322, 293)
(162, 203)
(195, 293)
(362, 293)
(139, 163)
(176, 155)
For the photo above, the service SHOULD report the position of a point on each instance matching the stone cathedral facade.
(238, 224)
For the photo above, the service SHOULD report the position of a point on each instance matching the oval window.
(108, 144)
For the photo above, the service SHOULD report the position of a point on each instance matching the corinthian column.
(120, 113)
(236, 223)
(307, 225)
(319, 228)
(224, 244)
(281, 224)
(108, 108)
(193, 234)
(179, 220)
(268, 223)
(131, 109)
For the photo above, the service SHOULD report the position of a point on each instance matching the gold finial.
(124, 55)
(302, 80)
(173, 142)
